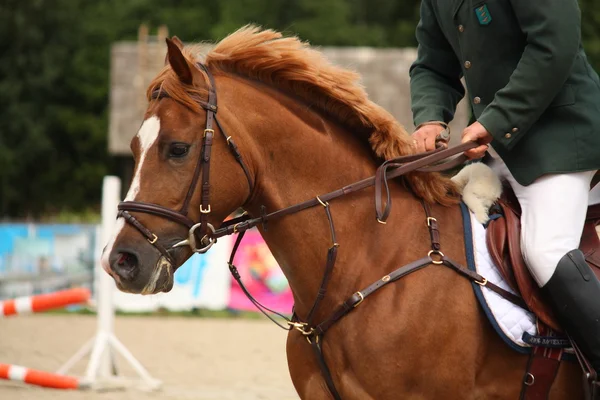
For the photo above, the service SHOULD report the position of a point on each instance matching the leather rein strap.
(422, 162)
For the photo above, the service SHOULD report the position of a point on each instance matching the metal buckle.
(323, 203)
(483, 282)
(308, 339)
(154, 239)
(529, 379)
(439, 254)
(191, 240)
(208, 130)
(301, 326)
(362, 298)
(205, 211)
(429, 220)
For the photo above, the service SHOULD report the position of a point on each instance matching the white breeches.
(553, 213)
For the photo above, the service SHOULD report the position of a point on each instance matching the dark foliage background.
(54, 76)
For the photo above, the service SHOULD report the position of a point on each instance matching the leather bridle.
(313, 331)
(202, 166)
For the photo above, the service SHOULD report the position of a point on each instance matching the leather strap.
(318, 351)
(541, 371)
(357, 298)
(155, 209)
(238, 156)
(432, 224)
(480, 280)
(427, 158)
(205, 186)
(151, 237)
(423, 164)
(236, 275)
(590, 383)
(331, 258)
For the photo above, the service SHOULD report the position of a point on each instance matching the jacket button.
(467, 64)
(515, 130)
(477, 100)
(461, 28)
(508, 136)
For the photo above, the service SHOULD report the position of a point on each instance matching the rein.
(432, 161)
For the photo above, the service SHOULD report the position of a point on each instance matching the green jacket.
(527, 75)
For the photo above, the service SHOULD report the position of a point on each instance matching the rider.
(535, 103)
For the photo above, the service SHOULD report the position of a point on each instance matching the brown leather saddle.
(504, 244)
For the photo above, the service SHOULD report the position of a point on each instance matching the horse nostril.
(126, 265)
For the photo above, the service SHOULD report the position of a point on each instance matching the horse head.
(175, 199)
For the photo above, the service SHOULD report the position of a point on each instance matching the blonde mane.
(294, 67)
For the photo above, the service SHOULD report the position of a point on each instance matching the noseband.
(181, 217)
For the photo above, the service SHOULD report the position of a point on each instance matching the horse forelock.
(290, 65)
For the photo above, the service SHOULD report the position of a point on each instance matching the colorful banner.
(262, 277)
(36, 258)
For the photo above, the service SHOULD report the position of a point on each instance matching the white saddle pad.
(508, 319)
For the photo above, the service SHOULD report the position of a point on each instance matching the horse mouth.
(161, 279)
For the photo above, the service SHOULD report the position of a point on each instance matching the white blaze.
(147, 136)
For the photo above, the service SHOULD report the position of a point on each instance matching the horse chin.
(161, 279)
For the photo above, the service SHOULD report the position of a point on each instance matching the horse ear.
(177, 41)
(178, 62)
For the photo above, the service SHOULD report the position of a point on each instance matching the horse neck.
(298, 154)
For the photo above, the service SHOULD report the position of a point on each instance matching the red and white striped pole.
(43, 302)
(39, 378)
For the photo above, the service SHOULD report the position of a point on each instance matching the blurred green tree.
(52, 108)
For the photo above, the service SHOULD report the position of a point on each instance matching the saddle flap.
(530, 292)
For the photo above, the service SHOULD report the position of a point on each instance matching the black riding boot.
(574, 293)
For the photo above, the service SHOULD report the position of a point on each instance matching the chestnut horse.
(302, 128)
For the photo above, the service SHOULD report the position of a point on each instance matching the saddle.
(503, 237)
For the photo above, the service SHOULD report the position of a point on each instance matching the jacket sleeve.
(435, 75)
(553, 31)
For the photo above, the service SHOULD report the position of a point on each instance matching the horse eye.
(178, 150)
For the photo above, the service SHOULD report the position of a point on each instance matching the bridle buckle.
(205, 210)
(207, 130)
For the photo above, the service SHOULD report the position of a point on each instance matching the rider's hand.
(477, 133)
(424, 137)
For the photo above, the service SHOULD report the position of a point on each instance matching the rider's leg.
(553, 214)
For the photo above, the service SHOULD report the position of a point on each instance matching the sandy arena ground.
(195, 358)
